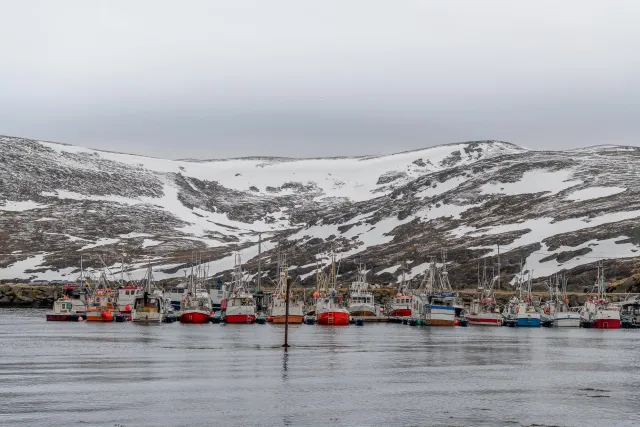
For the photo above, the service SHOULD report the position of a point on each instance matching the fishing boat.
(630, 312)
(598, 312)
(329, 305)
(278, 305)
(240, 306)
(431, 306)
(556, 310)
(217, 296)
(361, 302)
(402, 302)
(523, 310)
(176, 294)
(196, 303)
(66, 309)
(484, 310)
(125, 297)
(150, 306)
(100, 305)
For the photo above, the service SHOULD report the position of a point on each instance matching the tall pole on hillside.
(286, 313)
(259, 260)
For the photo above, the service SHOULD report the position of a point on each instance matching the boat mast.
(259, 260)
(444, 274)
(499, 265)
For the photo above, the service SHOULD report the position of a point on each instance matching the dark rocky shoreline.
(29, 296)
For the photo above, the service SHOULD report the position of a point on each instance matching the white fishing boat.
(361, 301)
(67, 309)
(176, 294)
(149, 307)
(556, 310)
(240, 306)
(431, 306)
(278, 305)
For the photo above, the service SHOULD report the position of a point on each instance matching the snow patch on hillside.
(389, 270)
(594, 193)
(18, 268)
(28, 205)
(439, 188)
(100, 242)
(537, 181)
(150, 242)
(600, 249)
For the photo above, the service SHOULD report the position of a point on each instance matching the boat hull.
(147, 317)
(240, 318)
(336, 318)
(606, 324)
(53, 317)
(485, 319)
(566, 320)
(100, 316)
(528, 322)
(292, 319)
(195, 317)
(401, 312)
(363, 313)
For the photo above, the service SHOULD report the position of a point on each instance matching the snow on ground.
(134, 235)
(594, 193)
(441, 187)
(368, 234)
(536, 181)
(46, 219)
(199, 222)
(389, 270)
(17, 269)
(100, 242)
(542, 228)
(601, 249)
(444, 210)
(150, 242)
(10, 206)
(353, 178)
(415, 271)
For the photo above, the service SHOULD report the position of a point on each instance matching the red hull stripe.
(607, 324)
(333, 318)
(240, 318)
(189, 317)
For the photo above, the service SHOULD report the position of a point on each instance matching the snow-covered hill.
(557, 210)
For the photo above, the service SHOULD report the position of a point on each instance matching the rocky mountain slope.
(560, 210)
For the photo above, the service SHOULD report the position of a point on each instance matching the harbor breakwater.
(29, 296)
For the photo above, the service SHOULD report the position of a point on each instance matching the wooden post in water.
(286, 313)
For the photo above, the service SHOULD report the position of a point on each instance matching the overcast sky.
(213, 79)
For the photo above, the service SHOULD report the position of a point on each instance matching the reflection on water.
(81, 374)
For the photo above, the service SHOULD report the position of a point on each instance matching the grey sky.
(318, 78)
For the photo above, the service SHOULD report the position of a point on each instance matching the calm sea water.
(121, 374)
